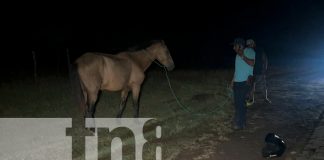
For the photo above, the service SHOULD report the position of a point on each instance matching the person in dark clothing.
(259, 73)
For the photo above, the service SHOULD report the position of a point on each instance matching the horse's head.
(162, 54)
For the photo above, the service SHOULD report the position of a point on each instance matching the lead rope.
(169, 83)
(184, 107)
(172, 91)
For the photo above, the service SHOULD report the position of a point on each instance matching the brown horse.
(123, 72)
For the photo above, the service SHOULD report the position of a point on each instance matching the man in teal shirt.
(244, 63)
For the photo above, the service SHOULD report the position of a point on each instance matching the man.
(259, 72)
(244, 63)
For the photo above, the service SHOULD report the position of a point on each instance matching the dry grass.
(204, 94)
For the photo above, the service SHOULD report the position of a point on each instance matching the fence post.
(35, 66)
(69, 64)
(58, 64)
(68, 60)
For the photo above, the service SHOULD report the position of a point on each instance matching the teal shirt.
(242, 69)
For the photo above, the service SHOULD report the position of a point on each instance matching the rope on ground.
(184, 107)
(174, 95)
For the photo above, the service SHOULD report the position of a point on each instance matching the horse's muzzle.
(170, 67)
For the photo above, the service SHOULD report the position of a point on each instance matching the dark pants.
(241, 89)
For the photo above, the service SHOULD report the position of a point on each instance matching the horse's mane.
(142, 45)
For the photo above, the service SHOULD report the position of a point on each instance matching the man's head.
(250, 43)
(238, 45)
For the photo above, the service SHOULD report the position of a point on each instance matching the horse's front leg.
(136, 91)
(91, 109)
(122, 105)
(90, 114)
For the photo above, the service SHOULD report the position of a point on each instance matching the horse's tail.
(77, 91)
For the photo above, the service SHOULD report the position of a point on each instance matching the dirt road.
(297, 105)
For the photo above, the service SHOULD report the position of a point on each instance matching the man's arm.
(248, 56)
(247, 60)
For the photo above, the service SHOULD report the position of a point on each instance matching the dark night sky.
(197, 36)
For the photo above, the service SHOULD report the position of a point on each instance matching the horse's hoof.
(92, 130)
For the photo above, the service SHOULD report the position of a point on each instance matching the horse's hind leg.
(136, 91)
(124, 95)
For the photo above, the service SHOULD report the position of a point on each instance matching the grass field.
(206, 112)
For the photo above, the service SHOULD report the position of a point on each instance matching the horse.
(123, 71)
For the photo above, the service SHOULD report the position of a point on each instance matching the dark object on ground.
(275, 146)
